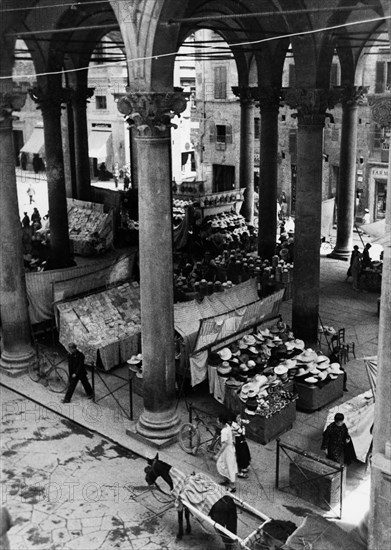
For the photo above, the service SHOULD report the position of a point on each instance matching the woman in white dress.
(226, 457)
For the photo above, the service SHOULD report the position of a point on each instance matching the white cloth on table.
(198, 367)
(226, 463)
(216, 384)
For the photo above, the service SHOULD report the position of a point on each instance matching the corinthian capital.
(12, 100)
(151, 112)
(311, 103)
(246, 94)
(352, 95)
(269, 97)
(380, 105)
(80, 96)
(49, 101)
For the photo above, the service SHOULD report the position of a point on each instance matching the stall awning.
(35, 143)
(97, 142)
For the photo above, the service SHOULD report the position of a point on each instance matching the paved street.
(73, 475)
(69, 489)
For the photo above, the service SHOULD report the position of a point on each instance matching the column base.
(158, 425)
(340, 254)
(14, 364)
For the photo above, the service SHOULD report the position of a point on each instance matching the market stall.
(44, 288)
(106, 326)
(202, 324)
(90, 228)
(267, 373)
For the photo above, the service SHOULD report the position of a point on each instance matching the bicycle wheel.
(34, 370)
(189, 438)
(215, 446)
(57, 379)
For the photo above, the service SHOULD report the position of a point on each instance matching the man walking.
(77, 371)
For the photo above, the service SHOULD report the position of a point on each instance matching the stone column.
(380, 507)
(68, 148)
(311, 105)
(150, 114)
(246, 176)
(16, 349)
(269, 104)
(49, 101)
(351, 97)
(79, 99)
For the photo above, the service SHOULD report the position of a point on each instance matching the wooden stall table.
(261, 429)
(314, 397)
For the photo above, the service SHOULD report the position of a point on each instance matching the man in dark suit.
(77, 371)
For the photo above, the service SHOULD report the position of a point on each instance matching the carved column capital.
(80, 96)
(311, 103)
(49, 101)
(269, 98)
(380, 105)
(246, 94)
(151, 112)
(352, 95)
(12, 100)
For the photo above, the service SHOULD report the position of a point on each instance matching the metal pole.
(277, 462)
(130, 394)
(93, 380)
(341, 492)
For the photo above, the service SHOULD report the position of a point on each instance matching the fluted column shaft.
(350, 99)
(17, 351)
(269, 104)
(380, 507)
(311, 105)
(150, 114)
(49, 101)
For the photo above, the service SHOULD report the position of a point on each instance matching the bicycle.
(190, 435)
(46, 368)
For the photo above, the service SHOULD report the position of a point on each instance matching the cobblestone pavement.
(69, 489)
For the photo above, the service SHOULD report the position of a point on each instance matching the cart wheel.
(57, 379)
(189, 438)
(34, 370)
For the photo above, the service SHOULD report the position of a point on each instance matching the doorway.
(223, 178)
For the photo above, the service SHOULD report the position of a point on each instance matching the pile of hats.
(312, 368)
(217, 200)
(232, 222)
(262, 363)
(136, 364)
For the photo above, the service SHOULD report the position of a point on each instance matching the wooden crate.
(262, 429)
(314, 398)
(316, 482)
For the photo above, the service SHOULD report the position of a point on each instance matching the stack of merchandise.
(102, 318)
(218, 200)
(261, 367)
(89, 230)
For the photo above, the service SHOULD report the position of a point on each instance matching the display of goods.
(102, 317)
(260, 368)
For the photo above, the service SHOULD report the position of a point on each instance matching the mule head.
(157, 468)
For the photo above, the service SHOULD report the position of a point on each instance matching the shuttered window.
(334, 74)
(256, 128)
(220, 83)
(293, 145)
(212, 131)
(380, 84)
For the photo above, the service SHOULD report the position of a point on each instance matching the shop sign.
(380, 172)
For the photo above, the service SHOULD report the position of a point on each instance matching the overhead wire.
(235, 45)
